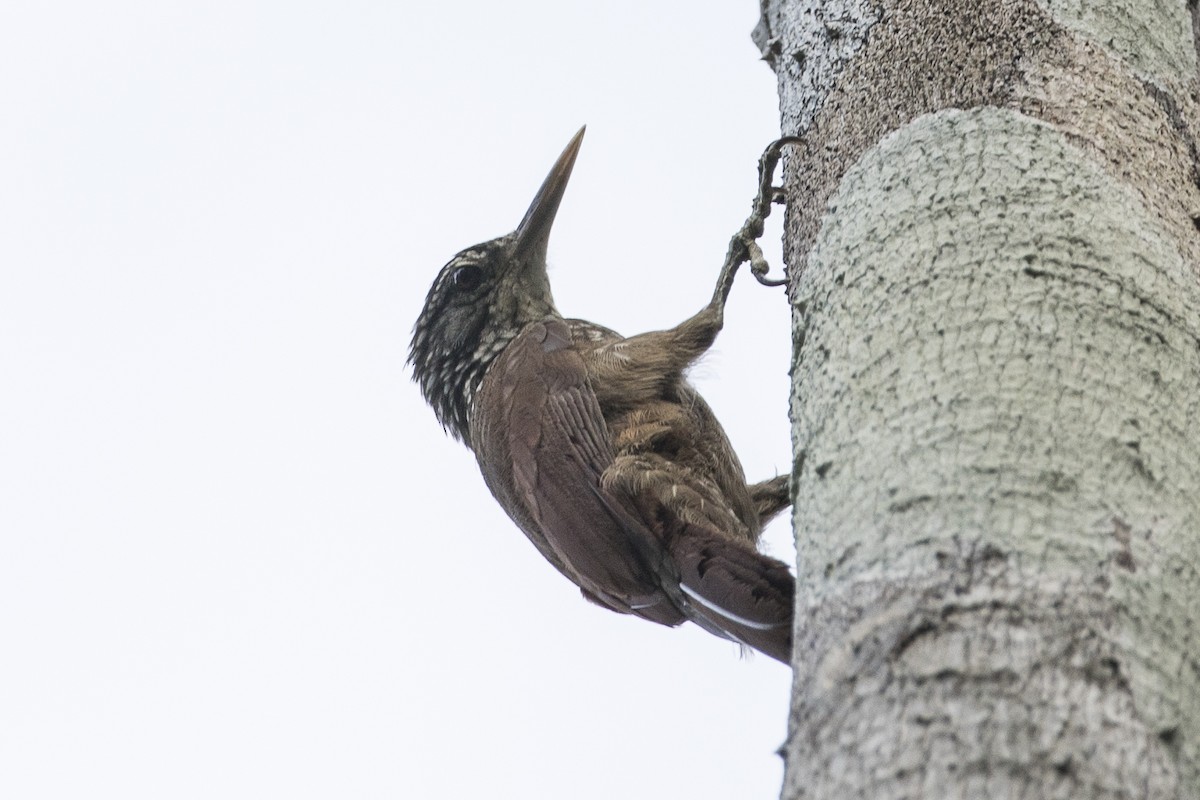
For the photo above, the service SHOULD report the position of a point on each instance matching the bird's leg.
(743, 246)
(770, 497)
(671, 351)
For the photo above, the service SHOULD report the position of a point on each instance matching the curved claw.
(759, 267)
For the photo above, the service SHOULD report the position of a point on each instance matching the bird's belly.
(677, 456)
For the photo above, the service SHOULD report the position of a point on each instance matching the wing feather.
(556, 446)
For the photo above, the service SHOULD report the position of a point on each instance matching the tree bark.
(994, 262)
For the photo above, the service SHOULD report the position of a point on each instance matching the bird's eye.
(467, 278)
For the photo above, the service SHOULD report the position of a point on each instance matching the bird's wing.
(544, 448)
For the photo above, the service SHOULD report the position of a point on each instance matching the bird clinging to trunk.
(595, 445)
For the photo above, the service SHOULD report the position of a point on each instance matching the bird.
(596, 445)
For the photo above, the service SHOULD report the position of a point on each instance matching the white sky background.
(238, 556)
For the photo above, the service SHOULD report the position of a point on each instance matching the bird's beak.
(533, 234)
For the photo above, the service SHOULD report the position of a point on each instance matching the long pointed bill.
(533, 234)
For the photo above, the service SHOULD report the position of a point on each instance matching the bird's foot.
(770, 497)
(744, 246)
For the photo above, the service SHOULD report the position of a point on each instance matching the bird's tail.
(745, 595)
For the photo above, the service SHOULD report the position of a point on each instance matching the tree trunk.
(993, 253)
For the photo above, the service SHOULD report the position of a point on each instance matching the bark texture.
(994, 254)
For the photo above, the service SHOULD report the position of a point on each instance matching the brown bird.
(595, 444)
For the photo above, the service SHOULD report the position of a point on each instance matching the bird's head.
(483, 298)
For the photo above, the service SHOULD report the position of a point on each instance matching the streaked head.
(483, 298)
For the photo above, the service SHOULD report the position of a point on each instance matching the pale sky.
(238, 556)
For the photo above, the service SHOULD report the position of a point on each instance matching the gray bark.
(995, 273)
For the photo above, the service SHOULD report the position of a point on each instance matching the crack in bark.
(1167, 103)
